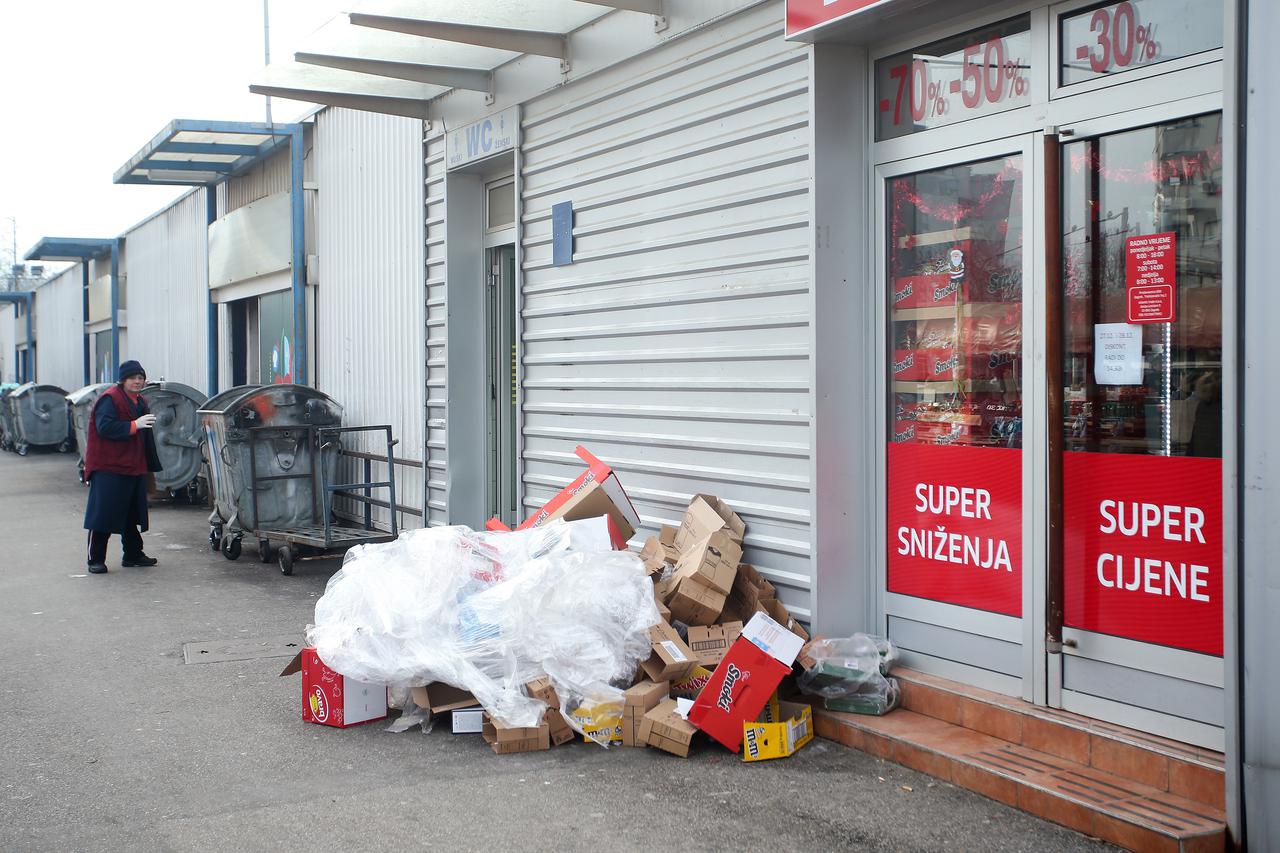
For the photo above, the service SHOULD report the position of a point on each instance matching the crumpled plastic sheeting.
(488, 612)
(845, 666)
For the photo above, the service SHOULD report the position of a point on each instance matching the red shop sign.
(1143, 548)
(1151, 273)
(955, 525)
(806, 14)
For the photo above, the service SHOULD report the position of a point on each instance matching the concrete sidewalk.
(112, 742)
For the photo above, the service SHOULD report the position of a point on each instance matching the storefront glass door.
(1142, 419)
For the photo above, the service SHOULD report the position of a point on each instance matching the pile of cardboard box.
(722, 649)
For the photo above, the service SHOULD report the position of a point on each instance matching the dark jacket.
(117, 460)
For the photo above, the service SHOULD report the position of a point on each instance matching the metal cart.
(81, 402)
(178, 435)
(317, 533)
(39, 417)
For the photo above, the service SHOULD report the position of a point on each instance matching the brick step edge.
(1098, 804)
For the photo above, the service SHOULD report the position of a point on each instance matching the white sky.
(87, 83)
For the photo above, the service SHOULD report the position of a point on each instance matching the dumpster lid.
(32, 388)
(78, 396)
(176, 388)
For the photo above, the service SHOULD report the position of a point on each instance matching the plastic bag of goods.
(488, 612)
(876, 697)
(844, 665)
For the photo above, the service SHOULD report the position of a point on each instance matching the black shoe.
(140, 560)
(97, 568)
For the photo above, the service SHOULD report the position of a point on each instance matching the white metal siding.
(8, 359)
(167, 269)
(677, 345)
(437, 512)
(370, 354)
(59, 330)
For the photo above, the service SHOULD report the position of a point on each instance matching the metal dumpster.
(283, 502)
(217, 403)
(6, 417)
(81, 402)
(178, 434)
(40, 418)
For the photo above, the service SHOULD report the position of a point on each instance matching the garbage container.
(81, 402)
(40, 419)
(178, 434)
(282, 498)
(6, 418)
(218, 402)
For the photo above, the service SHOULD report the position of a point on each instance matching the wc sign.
(490, 135)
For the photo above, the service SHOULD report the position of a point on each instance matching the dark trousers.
(131, 539)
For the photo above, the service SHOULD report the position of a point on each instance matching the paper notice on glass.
(1117, 354)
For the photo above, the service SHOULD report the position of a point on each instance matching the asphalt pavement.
(110, 740)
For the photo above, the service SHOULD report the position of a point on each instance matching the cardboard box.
(762, 741)
(772, 712)
(601, 723)
(691, 685)
(593, 493)
(506, 740)
(330, 698)
(638, 700)
(542, 689)
(714, 560)
(920, 291)
(438, 697)
(710, 643)
(672, 659)
(664, 729)
(749, 589)
(746, 678)
(694, 603)
(660, 550)
(806, 658)
(707, 514)
(779, 613)
(467, 721)
(907, 366)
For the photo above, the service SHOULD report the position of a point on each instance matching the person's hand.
(146, 422)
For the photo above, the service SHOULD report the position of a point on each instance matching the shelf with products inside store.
(950, 386)
(947, 312)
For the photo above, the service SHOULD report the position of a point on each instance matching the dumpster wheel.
(284, 558)
(22, 449)
(215, 539)
(264, 550)
(65, 447)
(231, 547)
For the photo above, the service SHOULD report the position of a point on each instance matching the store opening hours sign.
(955, 525)
(1151, 275)
(1142, 551)
(979, 72)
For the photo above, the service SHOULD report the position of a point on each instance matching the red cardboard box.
(907, 366)
(595, 492)
(746, 678)
(331, 699)
(938, 363)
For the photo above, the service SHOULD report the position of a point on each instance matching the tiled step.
(1023, 766)
(1157, 762)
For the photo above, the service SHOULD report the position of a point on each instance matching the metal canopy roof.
(394, 56)
(198, 153)
(69, 249)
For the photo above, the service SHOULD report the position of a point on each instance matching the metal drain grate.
(255, 648)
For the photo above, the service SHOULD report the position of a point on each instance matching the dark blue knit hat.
(130, 368)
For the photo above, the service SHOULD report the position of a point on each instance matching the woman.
(121, 452)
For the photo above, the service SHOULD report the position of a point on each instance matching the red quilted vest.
(115, 456)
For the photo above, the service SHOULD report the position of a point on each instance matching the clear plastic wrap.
(488, 612)
(844, 666)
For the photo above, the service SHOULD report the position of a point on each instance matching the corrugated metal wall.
(437, 349)
(370, 300)
(269, 177)
(166, 262)
(677, 345)
(59, 330)
(8, 359)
